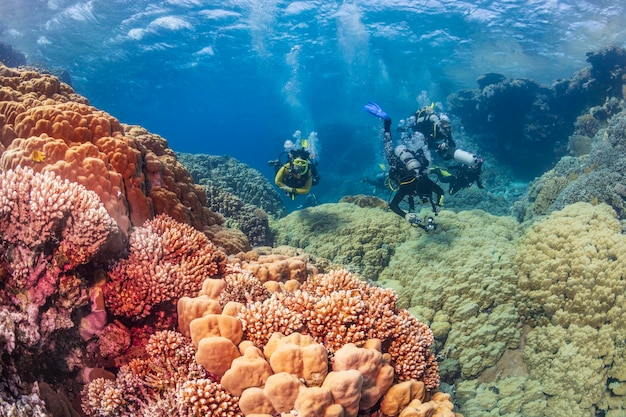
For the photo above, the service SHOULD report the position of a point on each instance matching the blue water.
(239, 77)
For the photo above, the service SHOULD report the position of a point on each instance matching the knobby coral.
(360, 239)
(463, 291)
(571, 289)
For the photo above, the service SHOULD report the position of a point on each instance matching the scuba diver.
(408, 169)
(380, 180)
(299, 172)
(437, 133)
(423, 188)
(464, 177)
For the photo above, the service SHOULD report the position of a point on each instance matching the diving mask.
(300, 166)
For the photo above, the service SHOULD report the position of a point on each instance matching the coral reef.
(571, 290)
(169, 185)
(236, 362)
(42, 215)
(597, 177)
(579, 145)
(51, 232)
(251, 220)
(45, 125)
(575, 252)
(569, 297)
(517, 319)
(285, 339)
(526, 125)
(231, 176)
(464, 291)
(166, 380)
(276, 267)
(510, 396)
(363, 200)
(167, 260)
(360, 239)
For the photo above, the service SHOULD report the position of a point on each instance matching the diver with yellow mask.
(299, 173)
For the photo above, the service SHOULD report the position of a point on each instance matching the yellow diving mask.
(300, 166)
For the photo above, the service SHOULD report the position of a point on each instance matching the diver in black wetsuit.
(409, 171)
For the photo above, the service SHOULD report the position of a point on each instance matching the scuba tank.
(465, 157)
(407, 158)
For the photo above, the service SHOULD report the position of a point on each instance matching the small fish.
(37, 156)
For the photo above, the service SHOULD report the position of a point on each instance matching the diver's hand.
(412, 219)
(376, 110)
(286, 189)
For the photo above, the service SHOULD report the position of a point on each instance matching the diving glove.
(376, 110)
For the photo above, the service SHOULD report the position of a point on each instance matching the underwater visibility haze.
(139, 218)
(240, 77)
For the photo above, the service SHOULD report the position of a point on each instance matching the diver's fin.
(438, 170)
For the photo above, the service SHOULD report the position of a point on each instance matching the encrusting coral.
(570, 298)
(463, 291)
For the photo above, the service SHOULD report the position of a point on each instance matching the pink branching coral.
(42, 215)
(410, 351)
(206, 398)
(262, 318)
(167, 382)
(168, 260)
(48, 228)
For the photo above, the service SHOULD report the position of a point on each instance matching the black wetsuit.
(463, 177)
(410, 183)
(429, 125)
(423, 188)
